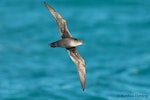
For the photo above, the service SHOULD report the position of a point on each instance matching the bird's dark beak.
(83, 43)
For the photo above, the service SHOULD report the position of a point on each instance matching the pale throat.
(75, 43)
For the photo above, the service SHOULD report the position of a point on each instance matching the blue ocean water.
(117, 50)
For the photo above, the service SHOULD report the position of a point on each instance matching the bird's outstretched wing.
(74, 55)
(64, 32)
(79, 62)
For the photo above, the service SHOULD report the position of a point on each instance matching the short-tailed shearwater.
(70, 43)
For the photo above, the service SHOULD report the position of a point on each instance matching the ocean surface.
(117, 50)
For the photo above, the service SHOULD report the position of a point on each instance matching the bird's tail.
(54, 44)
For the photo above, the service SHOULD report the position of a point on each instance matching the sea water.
(116, 53)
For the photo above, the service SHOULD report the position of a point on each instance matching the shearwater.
(70, 43)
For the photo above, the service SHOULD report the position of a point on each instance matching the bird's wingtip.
(44, 2)
(82, 79)
(83, 89)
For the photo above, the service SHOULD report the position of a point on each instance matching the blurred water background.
(117, 50)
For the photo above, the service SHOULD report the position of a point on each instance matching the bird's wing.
(79, 62)
(64, 32)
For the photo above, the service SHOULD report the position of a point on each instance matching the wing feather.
(64, 32)
(79, 62)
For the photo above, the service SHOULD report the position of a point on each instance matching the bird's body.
(66, 43)
(70, 43)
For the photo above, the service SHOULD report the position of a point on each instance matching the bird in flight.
(69, 43)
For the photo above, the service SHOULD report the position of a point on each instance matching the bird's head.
(78, 41)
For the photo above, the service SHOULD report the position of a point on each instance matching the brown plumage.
(74, 55)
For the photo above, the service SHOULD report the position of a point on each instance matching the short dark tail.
(54, 44)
